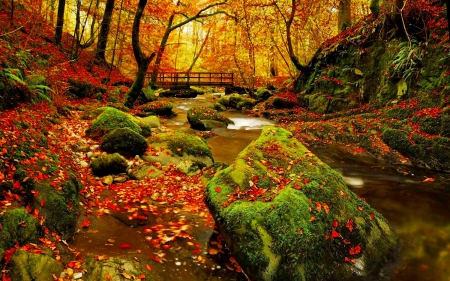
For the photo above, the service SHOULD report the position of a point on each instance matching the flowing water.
(418, 211)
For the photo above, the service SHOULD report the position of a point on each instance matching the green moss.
(196, 115)
(109, 164)
(399, 141)
(399, 112)
(124, 140)
(26, 266)
(59, 208)
(18, 226)
(111, 119)
(180, 143)
(163, 108)
(83, 89)
(281, 234)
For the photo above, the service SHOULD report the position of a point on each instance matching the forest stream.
(416, 210)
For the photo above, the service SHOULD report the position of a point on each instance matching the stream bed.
(418, 211)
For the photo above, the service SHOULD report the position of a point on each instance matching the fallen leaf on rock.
(428, 180)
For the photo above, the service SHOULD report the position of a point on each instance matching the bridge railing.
(174, 79)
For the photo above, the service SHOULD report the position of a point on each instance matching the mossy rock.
(26, 266)
(18, 226)
(180, 92)
(262, 94)
(219, 107)
(197, 117)
(112, 119)
(116, 267)
(84, 89)
(59, 208)
(125, 141)
(162, 108)
(151, 121)
(286, 215)
(109, 164)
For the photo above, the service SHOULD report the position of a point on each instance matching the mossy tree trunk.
(344, 15)
(60, 21)
(104, 30)
(142, 60)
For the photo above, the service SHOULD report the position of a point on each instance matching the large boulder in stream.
(286, 215)
(204, 118)
(190, 153)
(109, 164)
(27, 266)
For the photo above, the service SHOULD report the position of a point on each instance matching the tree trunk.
(162, 47)
(199, 51)
(288, 23)
(344, 15)
(104, 30)
(60, 21)
(143, 62)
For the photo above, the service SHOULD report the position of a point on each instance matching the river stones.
(204, 118)
(286, 215)
(109, 164)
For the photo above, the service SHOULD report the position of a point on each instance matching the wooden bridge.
(180, 79)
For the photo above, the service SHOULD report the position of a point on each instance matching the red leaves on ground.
(125, 245)
(299, 230)
(8, 254)
(42, 203)
(350, 225)
(335, 234)
(355, 250)
(86, 223)
(335, 224)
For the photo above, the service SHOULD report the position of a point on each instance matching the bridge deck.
(174, 79)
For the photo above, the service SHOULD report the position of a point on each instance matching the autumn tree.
(104, 30)
(344, 15)
(142, 60)
(173, 24)
(60, 21)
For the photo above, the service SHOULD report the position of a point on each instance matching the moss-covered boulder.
(181, 92)
(59, 207)
(178, 147)
(26, 266)
(200, 117)
(286, 215)
(109, 164)
(237, 101)
(125, 141)
(111, 119)
(84, 89)
(162, 108)
(18, 226)
(151, 121)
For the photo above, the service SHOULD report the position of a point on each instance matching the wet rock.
(109, 164)
(162, 108)
(120, 179)
(190, 167)
(146, 170)
(26, 266)
(18, 226)
(286, 215)
(152, 121)
(204, 118)
(59, 208)
(108, 180)
(175, 147)
(125, 141)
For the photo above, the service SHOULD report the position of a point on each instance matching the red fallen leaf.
(335, 234)
(86, 223)
(305, 180)
(8, 254)
(218, 189)
(297, 187)
(318, 207)
(313, 218)
(36, 193)
(69, 205)
(16, 185)
(349, 225)
(149, 268)
(42, 203)
(335, 224)
(125, 245)
(299, 230)
(196, 251)
(326, 207)
(372, 216)
(347, 259)
(72, 264)
(141, 276)
(107, 276)
(355, 250)
(166, 246)
(428, 180)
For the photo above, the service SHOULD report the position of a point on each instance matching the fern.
(408, 60)
(40, 92)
